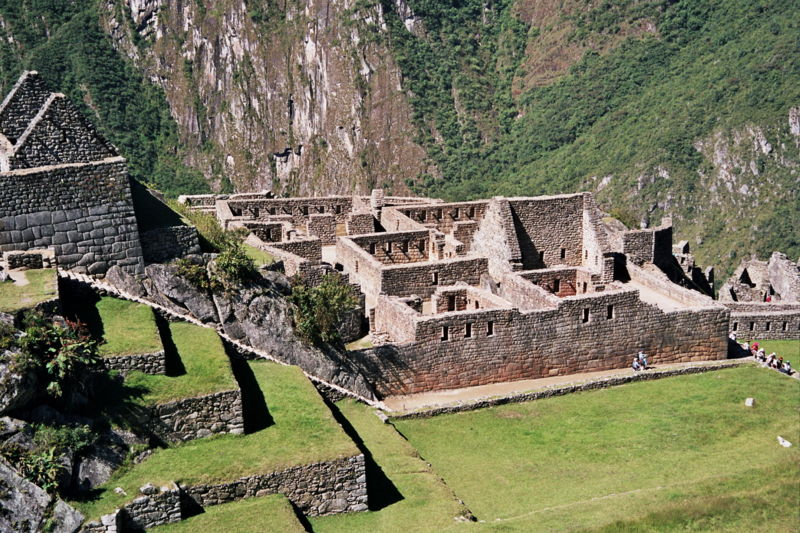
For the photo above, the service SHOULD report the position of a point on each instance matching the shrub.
(60, 354)
(73, 438)
(41, 468)
(319, 310)
(197, 275)
(234, 264)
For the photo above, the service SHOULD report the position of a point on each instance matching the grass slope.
(42, 286)
(207, 369)
(626, 454)
(424, 503)
(128, 328)
(304, 431)
(268, 514)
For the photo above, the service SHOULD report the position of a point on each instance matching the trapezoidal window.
(478, 306)
(556, 285)
(372, 248)
(471, 212)
(404, 247)
(304, 209)
(752, 326)
(451, 302)
(434, 278)
(490, 329)
(445, 333)
(585, 316)
(456, 213)
(468, 330)
(610, 312)
(584, 286)
(784, 326)
(563, 253)
(768, 326)
(388, 247)
(337, 209)
(541, 257)
(356, 268)
(735, 326)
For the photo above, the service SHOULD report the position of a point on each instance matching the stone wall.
(584, 333)
(524, 294)
(316, 489)
(444, 216)
(164, 244)
(194, 418)
(21, 104)
(568, 280)
(397, 247)
(595, 242)
(497, 240)
(300, 209)
(761, 321)
(83, 211)
(309, 249)
(549, 230)
(267, 231)
(360, 223)
(149, 363)
(31, 259)
(322, 226)
(422, 279)
(58, 134)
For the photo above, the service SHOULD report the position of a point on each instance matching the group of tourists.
(770, 361)
(639, 362)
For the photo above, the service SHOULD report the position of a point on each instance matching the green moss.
(128, 328)
(304, 432)
(42, 286)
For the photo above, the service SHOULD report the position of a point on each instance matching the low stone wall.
(776, 325)
(33, 259)
(317, 489)
(195, 418)
(164, 244)
(149, 363)
(604, 383)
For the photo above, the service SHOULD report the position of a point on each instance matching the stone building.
(470, 293)
(63, 186)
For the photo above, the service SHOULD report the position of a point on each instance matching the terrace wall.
(770, 321)
(148, 363)
(445, 216)
(322, 226)
(194, 418)
(396, 248)
(360, 223)
(164, 244)
(83, 211)
(418, 279)
(300, 209)
(535, 344)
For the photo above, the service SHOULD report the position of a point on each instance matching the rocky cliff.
(296, 96)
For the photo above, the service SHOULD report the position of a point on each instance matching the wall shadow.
(382, 492)
(172, 359)
(254, 406)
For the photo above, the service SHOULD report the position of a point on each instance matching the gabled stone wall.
(549, 230)
(21, 104)
(83, 211)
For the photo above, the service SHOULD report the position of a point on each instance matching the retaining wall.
(149, 363)
(194, 418)
(164, 244)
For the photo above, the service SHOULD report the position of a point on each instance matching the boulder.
(105, 456)
(17, 388)
(124, 281)
(24, 507)
(167, 288)
(10, 427)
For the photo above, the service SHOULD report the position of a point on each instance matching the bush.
(234, 264)
(319, 310)
(197, 275)
(60, 354)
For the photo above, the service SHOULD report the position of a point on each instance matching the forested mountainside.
(682, 107)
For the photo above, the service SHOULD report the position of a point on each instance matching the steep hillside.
(683, 107)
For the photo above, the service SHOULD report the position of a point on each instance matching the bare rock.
(166, 287)
(17, 388)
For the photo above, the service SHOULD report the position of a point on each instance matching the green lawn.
(260, 257)
(304, 431)
(42, 286)
(681, 450)
(208, 369)
(787, 349)
(269, 514)
(426, 505)
(128, 328)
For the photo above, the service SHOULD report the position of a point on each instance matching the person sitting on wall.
(779, 363)
(761, 354)
(732, 336)
(642, 359)
(636, 366)
(754, 347)
(745, 346)
(768, 361)
(787, 368)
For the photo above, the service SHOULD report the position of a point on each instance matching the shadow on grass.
(80, 305)
(303, 519)
(254, 406)
(382, 492)
(172, 359)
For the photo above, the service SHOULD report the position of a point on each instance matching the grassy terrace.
(128, 328)
(304, 431)
(675, 454)
(270, 514)
(259, 257)
(206, 365)
(405, 494)
(42, 286)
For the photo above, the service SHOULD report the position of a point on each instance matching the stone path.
(437, 402)
(19, 277)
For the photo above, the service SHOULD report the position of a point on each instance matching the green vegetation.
(42, 286)
(204, 359)
(66, 44)
(628, 112)
(259, 257)
(686, 450)
(128, 328)
(268, 514)
(413, 498)
(319, 310)
(304, 432)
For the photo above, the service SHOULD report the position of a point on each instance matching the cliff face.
(296, 96)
